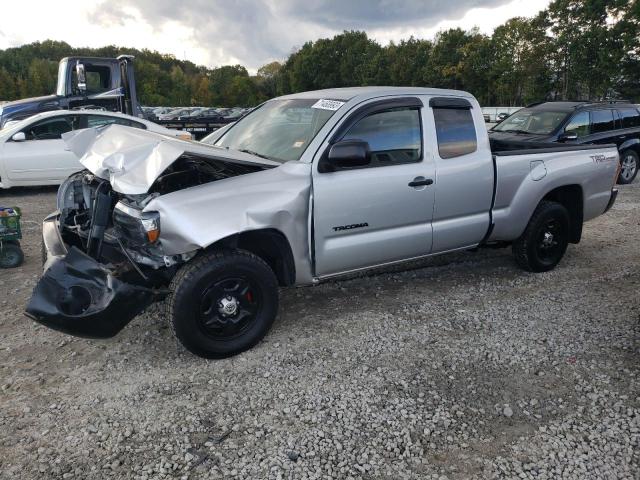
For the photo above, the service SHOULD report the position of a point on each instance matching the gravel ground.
(462, 367)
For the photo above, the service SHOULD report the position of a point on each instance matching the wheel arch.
(631, 144)
(572, 198)
(270, 244)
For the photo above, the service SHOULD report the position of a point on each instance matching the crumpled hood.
(132, 159)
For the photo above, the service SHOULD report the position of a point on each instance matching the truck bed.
(522, 174)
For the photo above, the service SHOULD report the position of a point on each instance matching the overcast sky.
(249, 32)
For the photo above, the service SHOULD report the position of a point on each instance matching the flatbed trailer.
(198, 129)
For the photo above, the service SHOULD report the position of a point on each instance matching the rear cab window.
(455, 131)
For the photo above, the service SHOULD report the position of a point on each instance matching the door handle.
(420, 182)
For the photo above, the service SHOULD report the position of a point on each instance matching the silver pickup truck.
(306, 187)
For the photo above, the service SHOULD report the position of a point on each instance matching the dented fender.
(278, 198)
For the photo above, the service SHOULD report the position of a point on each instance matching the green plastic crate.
(10, 224)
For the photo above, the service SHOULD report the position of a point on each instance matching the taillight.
(617, 175)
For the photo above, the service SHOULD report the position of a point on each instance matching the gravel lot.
(462, 367)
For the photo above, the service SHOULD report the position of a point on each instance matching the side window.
(601, 121)
(98, 79)
(101, 120)
(578, 124)
(51, 128)
(456, 132)
(394, 136)
(630, 118)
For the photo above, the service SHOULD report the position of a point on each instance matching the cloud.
(341, 14)
(248, 32)
(254, 32)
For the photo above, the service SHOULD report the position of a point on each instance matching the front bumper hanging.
(80, 296)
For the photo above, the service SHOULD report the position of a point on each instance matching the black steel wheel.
(11, 255)
(628, 167)
(229, 307)
(545, 240)
(223, 303)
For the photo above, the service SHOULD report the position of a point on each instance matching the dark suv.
(615, 122)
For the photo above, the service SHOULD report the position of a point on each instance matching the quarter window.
(456, 132)
(579, 124)
(394, 136)
(601, 121)
(630, 118)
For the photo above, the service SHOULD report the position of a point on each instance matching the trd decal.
(600, 158)
(350, 227)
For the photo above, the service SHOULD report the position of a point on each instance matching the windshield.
(532, 121)
(279, 130)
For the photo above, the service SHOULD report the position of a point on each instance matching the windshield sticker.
(298, 144)
(327, 104)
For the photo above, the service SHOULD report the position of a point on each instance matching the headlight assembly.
(135, 225)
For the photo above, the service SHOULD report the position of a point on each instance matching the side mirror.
(565, 136)
(347, 154)
(19, 137)
(82, 79)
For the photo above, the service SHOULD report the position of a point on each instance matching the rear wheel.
(11, 255)
(545, 240)
(629, 167)
(223, 303)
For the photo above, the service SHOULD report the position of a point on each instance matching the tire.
(545, 240)
(629, 163)
(223, 303)
(11, 255)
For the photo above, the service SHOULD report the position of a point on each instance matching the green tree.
(267, 78)
(180, 91)
(522, 66)
(8, 87)
(405, 62)
(588, 48)
(446, 62)
(348, 59)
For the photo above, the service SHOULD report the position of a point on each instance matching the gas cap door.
(538, 170)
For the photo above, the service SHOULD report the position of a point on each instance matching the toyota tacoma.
(307, 187)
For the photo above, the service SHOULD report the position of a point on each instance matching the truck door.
(42, 157)
(381, 212)
(465, 180)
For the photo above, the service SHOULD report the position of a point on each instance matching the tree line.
(573, 50)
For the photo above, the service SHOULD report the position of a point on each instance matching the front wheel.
(545, 240)
(223, 303)
(628, 167)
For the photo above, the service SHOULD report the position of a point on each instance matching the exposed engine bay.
(189, 171)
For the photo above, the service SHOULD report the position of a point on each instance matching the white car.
(32, 151)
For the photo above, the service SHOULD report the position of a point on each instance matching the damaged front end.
(106, 256)
(103, 256)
